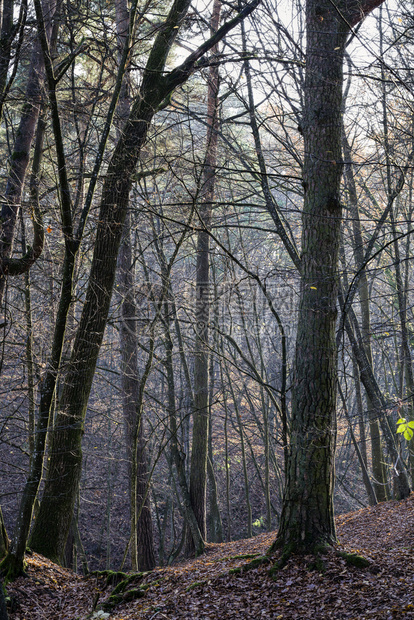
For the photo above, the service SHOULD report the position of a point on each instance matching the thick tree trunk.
(307, 518)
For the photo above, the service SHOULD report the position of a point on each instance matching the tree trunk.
(377, 456)
(199, 447)
(177, 454)
(142, 552)
(4, 539)
(55, 514)
(13, 564)
(400, 476)
(3, 608)
(307, 519)
(19, 161)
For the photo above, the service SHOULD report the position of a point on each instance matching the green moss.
(133, 594)
(287, 552)
(321, 549)
(353, 559)
(293, 548)
(122, 585)
(195, 585)
(318, 565)
(110, 575)
(112, 602)
(11, 568)
(121, 593)
(122, 597)
(259, 561)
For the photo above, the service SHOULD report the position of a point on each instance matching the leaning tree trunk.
(19, 161)
(53, 522)
(307, 518)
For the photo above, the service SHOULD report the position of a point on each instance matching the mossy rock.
(128, 596)
(112, 602)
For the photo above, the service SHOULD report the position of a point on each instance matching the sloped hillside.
(211, 588)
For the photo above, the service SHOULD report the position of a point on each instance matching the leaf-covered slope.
(206, 589)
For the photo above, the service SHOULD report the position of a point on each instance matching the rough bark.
(307, 518)
(52, 524)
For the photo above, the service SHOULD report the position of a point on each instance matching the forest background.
(160, 150)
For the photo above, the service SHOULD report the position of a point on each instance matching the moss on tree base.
(11, 568)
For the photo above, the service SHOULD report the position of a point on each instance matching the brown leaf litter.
(204, 589)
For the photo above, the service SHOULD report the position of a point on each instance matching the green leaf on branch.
(406, 428)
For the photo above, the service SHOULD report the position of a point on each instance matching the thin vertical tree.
(199, 448)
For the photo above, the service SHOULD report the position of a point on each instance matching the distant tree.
(199, 449)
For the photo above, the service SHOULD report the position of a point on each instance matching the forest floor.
(205, 588)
